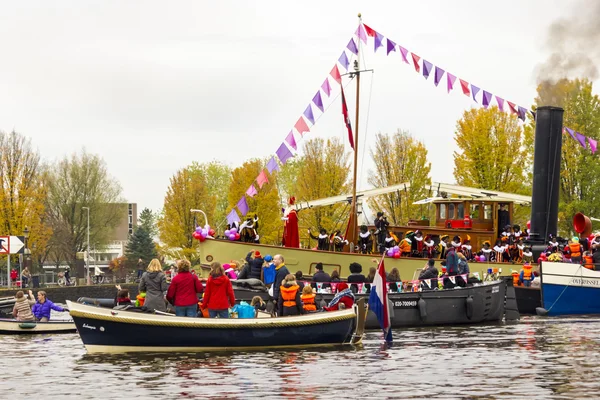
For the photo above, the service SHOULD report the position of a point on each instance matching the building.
(119, 238)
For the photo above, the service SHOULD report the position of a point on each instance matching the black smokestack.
(546, 173)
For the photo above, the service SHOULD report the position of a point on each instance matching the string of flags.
(582, 139)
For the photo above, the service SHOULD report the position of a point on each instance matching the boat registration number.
(405, 304)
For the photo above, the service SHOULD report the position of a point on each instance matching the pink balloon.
(232, 236)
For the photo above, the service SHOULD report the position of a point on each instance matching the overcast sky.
(153, 86)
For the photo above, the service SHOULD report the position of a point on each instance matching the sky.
(152, 87)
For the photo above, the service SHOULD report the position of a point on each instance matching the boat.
(11, 326)
(6, 306)
(104, 330)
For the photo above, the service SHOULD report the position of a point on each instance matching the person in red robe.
(291, 237)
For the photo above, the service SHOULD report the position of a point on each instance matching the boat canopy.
(474, 193)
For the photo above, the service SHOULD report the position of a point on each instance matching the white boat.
(11, 326)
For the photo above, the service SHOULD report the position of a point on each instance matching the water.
(535, 358)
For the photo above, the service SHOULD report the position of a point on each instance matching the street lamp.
(87, 253)
(26, 252)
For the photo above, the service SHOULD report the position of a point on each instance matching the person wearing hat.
(320, 275)
(291, 237)
(443, 246)
(381, 224)
(268, 270)
(456, 242)
(417, 244)
(343, 299)
(467, 249)
(365, 240)
(406, 244)
(429, 247)
(576, 250)
(486, 251)
(527, 254)
(322, 239)
(255, 261)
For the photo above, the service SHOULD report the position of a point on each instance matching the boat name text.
(583, 281)
(89, 327)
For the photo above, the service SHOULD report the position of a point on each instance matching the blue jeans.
(186, 311)
(218, 313)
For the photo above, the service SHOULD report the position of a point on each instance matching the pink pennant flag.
(309, 114)
(387, 287)
(391, 46)
(326, 88)
(581, 139)
(512, 107)
(487, 97)
(452, 279)
(416, 59)
(352, 46)
(450, 79)
(301, 126)
(427, 66)
(261, 179)
(500, 102)
(251, 192)
(360, 287)
(291, 140)
(335, 74)
(317, 101)
(593, 144)
(439, 73)
(404, 53)
(360, 32)
(333, 287)
(465, 277)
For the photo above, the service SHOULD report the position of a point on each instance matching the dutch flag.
(378, 301)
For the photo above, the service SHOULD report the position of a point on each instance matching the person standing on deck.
(576, 250)
(381, 224)
(281, 272)
(291, 237)
(451, 266)
(443, 246)
(322, 239)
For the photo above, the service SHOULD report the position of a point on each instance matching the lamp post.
(87, 253)
(26, 254)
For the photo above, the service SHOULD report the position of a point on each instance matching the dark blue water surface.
(535, 358)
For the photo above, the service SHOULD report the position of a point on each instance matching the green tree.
(140, 245)
(148, 220)
(399, 158)
(218, 180)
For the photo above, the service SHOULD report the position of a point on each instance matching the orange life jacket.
(141, 300)
(515, 276)
(308, 301)
(588, 262)
(527, 273)
(575, 249)
(288, 294)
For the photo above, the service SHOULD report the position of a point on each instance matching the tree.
(78, 181)
(265, 204)
(218, 179)
(147, 220)
(140, 245)
(399, 158)
(188, 190)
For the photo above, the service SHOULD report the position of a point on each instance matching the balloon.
(207, 227)
(203, 235)
(396, 248)
(233, 230)
(482, 258)
(232, 236)
(204, 232)
(396, 251)
(195, 235)
(396, 255)
(198, 229)
(227, 232)
(237, 236)
(201, 238)
(390, 252)
(211, 232)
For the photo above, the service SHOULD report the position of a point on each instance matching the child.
(22, 308)
(140, 299)
(230, 271)
(122, 299)
(258, 303)
(308, 299)
(269, 270)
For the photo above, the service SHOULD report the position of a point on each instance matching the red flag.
(347, 119)
(465, 87)
(335, 74)
(416, 59)
(370, 31)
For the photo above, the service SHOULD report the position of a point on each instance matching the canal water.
(536, 358)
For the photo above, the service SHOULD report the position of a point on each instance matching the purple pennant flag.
(487, 97)
(251, 191)
(427, 66)
(283, 153)
(522, 113)
(404, 53)
(352, 46)
(291, 141)
(232, 217)
(378, 40)
(318, 101)
(474, 90)
(272, 165)
(593, 144)
(450, 80)
(326, 88)
(391, 46)
(439, 73)
(309, 114)
(360, 32)
(571, 132)
(500, 102)
(532, 114)
(581, 138)
(242, 205)
(343, 60)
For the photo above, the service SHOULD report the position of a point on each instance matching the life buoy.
(422, 309)
(469, 306)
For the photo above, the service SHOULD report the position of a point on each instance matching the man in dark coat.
(381, 224)
(281, 272)
(320, 275)
(429, 272)
(255, 264)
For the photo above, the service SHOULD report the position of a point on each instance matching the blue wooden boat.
(569, 289)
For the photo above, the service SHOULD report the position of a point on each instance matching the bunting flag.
(378, 41)
(317, 101)
(391, 46)
(427, 66)
(272, 165)
(319, 287)
(347, 119)
(452, 279)
(291, 141)
(251, 192)
(593, 144)
(326, 88)
(309, 115)
(335, 74)
(476, 275)
(465, 87)
(465, 277)
(532, 114)
(487, 97)
(512, 107)
(283, 153)
(360, 287)
(352, 46)
(522, 113)
(416, 59)
(581, 139)
(371, 32)
(343, 60)
(360, 32)
(301, 126)
(500, 102)
(232, 217)
(333, 287)
(571, 132)
(427, 282)
(450, 80)
(404, 53)
(261, 179)
(242, 205)
(439, 73)
(474, 91)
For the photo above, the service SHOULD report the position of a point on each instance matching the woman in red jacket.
(183, 289)
(218, 296)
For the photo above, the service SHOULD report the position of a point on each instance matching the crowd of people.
(26, 308)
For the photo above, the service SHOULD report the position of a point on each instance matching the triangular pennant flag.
(465, 277)
(261, 179)
(571, 132)
(360, 32)
(343, 60)
(242, 205)
(352, 46)
(283, 153)
(522, 113)
(251, 191)
(487, 97)
(387, 287)
(370, 31)
(378, 41)
(416, 59)
(360, 287)
(326, 88)
(428, 282)
(404, 53)
(465, 87)
(333, 287)
(301, 126)
(512, 107)
(439, 73)
(452, 279)
(391, 46)
(319, 286)
(581, 139)
(335, 74)
(309, 114)
(500, 102)
(291, 140)
(272, 165)
(474, 91)
(232, 217)
(476, 275)
(450, 79)
(593, 144)
(427, 66)
(532, 114)
(317, 101)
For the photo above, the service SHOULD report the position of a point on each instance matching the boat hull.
(528, 299)
(106, 330)
(569, 289)
(12, 327)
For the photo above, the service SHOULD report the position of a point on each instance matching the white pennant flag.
(465, 276)
(428, 283)
(476, 275)
(452, 279)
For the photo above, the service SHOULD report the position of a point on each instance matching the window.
(487, 211)
(475, 211)
(442, 211)
(461, 211)
(450, 211)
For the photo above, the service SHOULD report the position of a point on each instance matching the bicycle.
(99, 279)
(62, 280)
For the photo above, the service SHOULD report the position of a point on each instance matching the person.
(308, 299)
(335, 276)
(230, 271)
(41, 309)
(381, 224)
(463, 268)
(417, 244)
(154, 283)
(526, 276)
(140, 268)
(429, 271)
(576, 250)
(429, 249)
(365, 240)
(173, 271)
(182, 292)
(268, 270)
(443, 246)
(289, 301)
(299, 278)
(338, 241)
(451, 265)
(344, 298)
(255, 261)
(22, 308)
(487, 252)
(355, 274)
(258, 303)
(218, 296)
(281, 272)
(291, 238)
(406, 244)
(467, 249)
(389, 241)
(320, 275)
(588, 260)
(14, 274)
(393, 276)
(25, 277)
(371, 276)
(322, 239)
(67, 276)
(122, 300)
